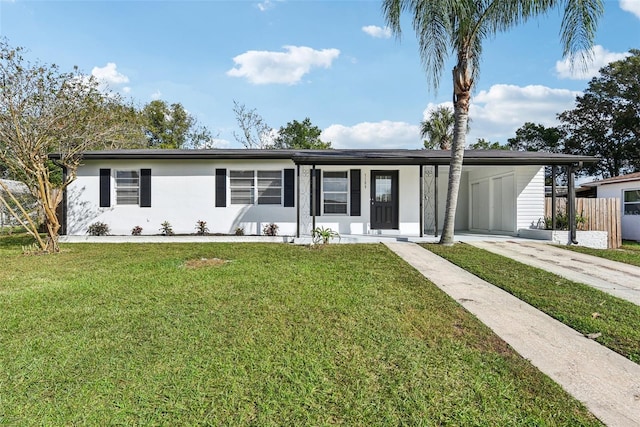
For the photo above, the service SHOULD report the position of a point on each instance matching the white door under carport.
(493, 204)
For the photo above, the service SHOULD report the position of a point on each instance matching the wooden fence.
(600, 215)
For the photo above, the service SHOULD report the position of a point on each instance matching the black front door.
(384, 200)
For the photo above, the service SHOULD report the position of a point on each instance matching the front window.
(335, 191)
(269, 187)
(631, 202)
(243, 185)
(127, 187)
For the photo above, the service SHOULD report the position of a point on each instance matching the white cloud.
(377, 32)
(267, 4)
(126, 89)
(156, 95)
(109, 74)
(265, 67)
(497, 113)
(600, 57)
(384, 134)
(632, 6)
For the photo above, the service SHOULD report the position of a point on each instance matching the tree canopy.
(605, 123)
(606, 120)
(437, 129)
(300, 135)
(256, 133)
(171, 126)
(44, 110)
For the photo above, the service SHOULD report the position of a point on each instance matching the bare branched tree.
(43, 111)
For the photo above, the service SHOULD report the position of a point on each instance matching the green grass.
(629, 253)
(279, 335)
(574, 304)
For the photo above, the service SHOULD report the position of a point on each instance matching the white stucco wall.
(182, 192)
(630, 224)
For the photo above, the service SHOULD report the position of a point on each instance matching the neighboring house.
(360, 192)
(627, 189)
(21, 192)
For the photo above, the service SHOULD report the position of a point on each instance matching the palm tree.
(461, 27)
(438, 128)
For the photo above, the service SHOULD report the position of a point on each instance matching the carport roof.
(347, 157)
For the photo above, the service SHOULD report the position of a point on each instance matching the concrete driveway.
(616, 278)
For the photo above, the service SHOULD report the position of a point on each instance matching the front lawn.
(251, 334)
(583, 308)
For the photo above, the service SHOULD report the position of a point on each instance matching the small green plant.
(98, 229)
(270, 229)
(166, 229)
(136, 231)
(323, 235)
(239, 231)
(201, 227)
(562, 221)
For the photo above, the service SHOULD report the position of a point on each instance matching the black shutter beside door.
(354, 192)
(289, 188)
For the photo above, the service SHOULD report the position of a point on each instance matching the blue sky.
(331, 61)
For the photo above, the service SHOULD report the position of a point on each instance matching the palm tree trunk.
(462, 95)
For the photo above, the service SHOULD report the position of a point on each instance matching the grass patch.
(629, 253)
(125, 334)
(583, 308)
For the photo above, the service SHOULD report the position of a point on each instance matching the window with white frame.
(335, 192)
(127, 187)
(243, 185)
(631, 202)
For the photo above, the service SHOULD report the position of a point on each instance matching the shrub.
(136, 231)
(239, 231)
(98, 229)
(270, 229)
(166, 229)
(562, 221)
(201, 227)
(323, 235)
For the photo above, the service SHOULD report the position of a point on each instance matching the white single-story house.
(627, 188)
(353, 192)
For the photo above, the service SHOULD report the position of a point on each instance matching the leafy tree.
(461, 27)
(170, 126)
(606, 120)
(255, 131)
(300, 135)
(44, 110)
(438, 129)
(537, 137)
(483, 144)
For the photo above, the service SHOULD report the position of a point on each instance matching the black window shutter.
(289, 188)
(105, 188)
(145, 188)
(316, 196)
(221, 188)
(355, 192)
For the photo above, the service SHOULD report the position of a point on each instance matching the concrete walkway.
(616, 278)
(607, 383)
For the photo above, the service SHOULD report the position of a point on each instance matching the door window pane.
(383, 188)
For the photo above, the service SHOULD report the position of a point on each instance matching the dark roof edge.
(346, 157)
